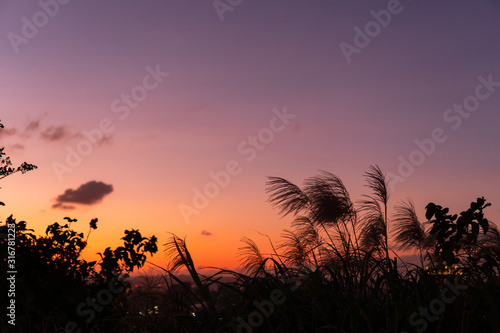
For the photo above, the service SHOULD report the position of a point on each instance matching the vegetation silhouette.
(335, 270)
(52, 279)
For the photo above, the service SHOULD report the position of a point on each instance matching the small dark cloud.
(32, 126)
(107, 139)
(87, 194)
(206, 233)
(54, 133)
(16, 146)
(51, 133)
(5, 132)
(62, 206)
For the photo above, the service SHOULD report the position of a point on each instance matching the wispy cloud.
(5, 132)
(16, 146)
(32, 126)
(50, 133)
(55, 133)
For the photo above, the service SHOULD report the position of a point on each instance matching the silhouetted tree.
(6, 168)
(53, 281)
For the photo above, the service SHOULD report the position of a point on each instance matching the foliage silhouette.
(373, 208)
(6, 168)
(47, 263)
(53, 279)
(460, 235)
(332, 270)
(332, 283)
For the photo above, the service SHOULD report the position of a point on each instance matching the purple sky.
(225, 78)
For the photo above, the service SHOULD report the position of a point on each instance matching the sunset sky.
(184, 90)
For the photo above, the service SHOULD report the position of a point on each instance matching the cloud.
(206, 233)
(50, 133)
(16, 146)
(62, 206)
(106, 139)
(54, 133)
(87, 194)
(32, 126)
(4, 132)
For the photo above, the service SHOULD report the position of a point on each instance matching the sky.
(168, 116)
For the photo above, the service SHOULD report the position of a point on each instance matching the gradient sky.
(225, 79)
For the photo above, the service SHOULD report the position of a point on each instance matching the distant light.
(135, 285)
(159, 285)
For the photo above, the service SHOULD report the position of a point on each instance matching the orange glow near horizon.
(155, 99)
